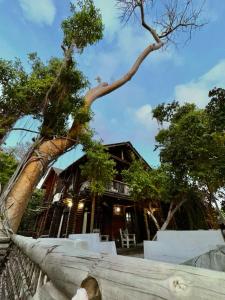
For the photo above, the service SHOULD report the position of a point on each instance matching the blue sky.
(185, 73)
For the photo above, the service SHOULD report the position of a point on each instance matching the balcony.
(116, 186)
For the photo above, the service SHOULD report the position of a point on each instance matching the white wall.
(179, 246)
(94, 243)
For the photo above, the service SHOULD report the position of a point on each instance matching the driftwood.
(69, 266)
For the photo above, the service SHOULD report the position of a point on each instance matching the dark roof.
(128, 143)
(83, 157)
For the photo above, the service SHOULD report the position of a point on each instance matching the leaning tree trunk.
(34, 169)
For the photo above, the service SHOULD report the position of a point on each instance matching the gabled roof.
(129, 144)
(109, 146)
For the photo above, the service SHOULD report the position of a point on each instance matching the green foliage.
(140, 181)
(33, 209)
(51, 92)
(164, 112)
(216, 109)
(84, 27)
(99, 169)
(24, 93)
(63, 100)
(191, 147)
(158, 184)
(8, 165)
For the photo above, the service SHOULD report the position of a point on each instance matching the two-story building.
(68, 203)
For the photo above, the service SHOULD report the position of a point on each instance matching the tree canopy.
(159, 185)
(191, 145)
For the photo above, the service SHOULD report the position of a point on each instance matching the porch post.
(92, 212)
(52, 221)
(146, 223)
(60, 225)
(84, 226)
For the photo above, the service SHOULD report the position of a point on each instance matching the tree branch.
(105, 88)
(153, 217)
(146, 26)
(28, 130)
(177, 207)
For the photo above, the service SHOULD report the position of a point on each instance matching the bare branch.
(24, 129)
(128, 8)
(174, 17)
(169, 16)
(145, 25)
(179, 17)
(105, 88)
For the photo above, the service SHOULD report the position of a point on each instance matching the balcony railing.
(115, 187)
(118, 187)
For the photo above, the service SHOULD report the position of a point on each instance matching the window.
(128, 216)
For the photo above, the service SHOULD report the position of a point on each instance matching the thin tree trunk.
(153, 218)
(92, 212)
(170, 215)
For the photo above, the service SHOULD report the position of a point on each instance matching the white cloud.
(38, 11)
(197, 90)
(109, 15)
(143, 116)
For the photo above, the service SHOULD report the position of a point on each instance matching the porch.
(113, 211)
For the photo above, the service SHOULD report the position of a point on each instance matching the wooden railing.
(21, 278)
(119, 187)
(115, 187)
(56, 268)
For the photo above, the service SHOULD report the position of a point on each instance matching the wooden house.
(68, 203)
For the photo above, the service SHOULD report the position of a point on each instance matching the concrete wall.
(94, 243)
(179, 246)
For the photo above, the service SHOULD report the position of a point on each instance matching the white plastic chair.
(127, 239)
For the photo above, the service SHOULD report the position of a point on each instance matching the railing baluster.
(21, 277)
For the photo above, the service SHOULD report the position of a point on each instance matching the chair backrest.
(123, 233)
